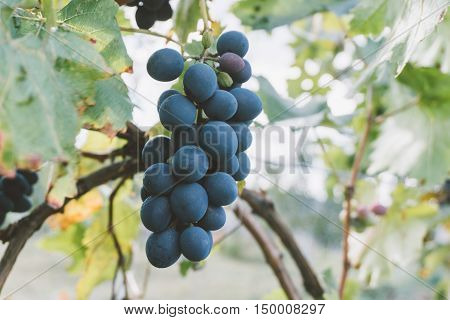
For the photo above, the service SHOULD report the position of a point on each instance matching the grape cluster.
(14, 192)
(150, 11)
(192, 175)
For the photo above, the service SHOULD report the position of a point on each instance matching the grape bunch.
(150, 11)
(14, 192)
(192, 175)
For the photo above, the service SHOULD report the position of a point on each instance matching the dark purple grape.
(231, 63)
(144, 18)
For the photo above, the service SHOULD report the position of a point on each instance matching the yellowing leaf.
(77, 210)
(68, 242)
(101, 255)
(422, 210)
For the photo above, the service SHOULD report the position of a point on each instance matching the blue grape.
(218, 139)
(232, 41)
(214, 219)
(144, 194)
(158, 179)
(221, 106)
(163, 249)
(156, 213)
(200, 82)
(244, 75)
(229, 166)
(189, 202)
(31, 176)
(145, 19)
(153, 5)
(21, 204)
(165, 12)
(249, 105)
(221, 188)
(243, 135)
(177, 110)
(16, 186)
(156, 150)
(231, 63)
(164, 96)
(244, 167)
(6, 205)
(195, 244)
(184, 135)
(165, 65)
(189, 164)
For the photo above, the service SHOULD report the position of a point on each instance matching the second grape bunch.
(191, 175)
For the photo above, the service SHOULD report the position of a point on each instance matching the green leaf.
(96, 22)
(101, 255)
(278, 108)
(416, 141)
(33, 102)
(185, 266)
(430, 84)
(112, 104)
(435, 49)
(263, 14)
(414, 21)
(194, 48)
(61, 45)
(68, 242)
(413, 143)
(369, 16)
(187, 15)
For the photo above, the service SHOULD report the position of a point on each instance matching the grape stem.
(151, 33)
(200, 58)
(205, 15)
(49, 13)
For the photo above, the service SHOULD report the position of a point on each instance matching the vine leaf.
(262, 14)
(112, 104)
(370, 16)
(186, 18)
(96, 22)
(68, 242)
(416, 141)
(33, 100)
(415, 20)
(278, 108)
(101, 255)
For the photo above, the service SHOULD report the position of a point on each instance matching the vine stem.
(205, 15)
(112, 232)
(350, 191)
(265, 209)
(272, 254)
(151, 33)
